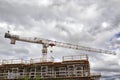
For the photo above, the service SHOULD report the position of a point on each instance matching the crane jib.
(52, 43)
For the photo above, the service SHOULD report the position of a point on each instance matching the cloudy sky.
(93, 23)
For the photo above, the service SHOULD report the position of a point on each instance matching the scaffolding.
(71, 67)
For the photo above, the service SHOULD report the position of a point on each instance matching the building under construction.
(71, 68)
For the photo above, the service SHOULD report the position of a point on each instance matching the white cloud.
(105, 25)
(90, 13)
(90, 23)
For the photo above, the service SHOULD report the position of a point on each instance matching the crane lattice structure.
(46, 43)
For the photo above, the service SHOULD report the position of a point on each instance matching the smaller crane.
(46, 43)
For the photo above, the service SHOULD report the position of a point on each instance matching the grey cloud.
(61, 20)
(63, 28)
(74, 35)
(110, 69)
(17, 14)
(23, 14)
(21, 50)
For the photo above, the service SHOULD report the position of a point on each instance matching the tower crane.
(50, 43)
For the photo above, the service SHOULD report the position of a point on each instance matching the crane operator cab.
(7, 35)
(13, 38)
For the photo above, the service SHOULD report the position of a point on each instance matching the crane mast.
(46, 43)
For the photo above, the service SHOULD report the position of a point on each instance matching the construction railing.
(22, 61)
(38, 60)
(75, 57)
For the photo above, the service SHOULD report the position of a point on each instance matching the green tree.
(26, 77)
(38, 77)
